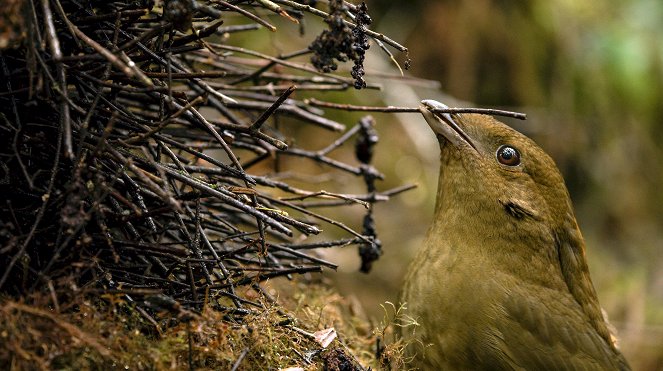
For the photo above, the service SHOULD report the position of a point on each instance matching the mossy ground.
(109, 333)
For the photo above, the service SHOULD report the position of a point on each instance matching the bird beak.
(444, 124)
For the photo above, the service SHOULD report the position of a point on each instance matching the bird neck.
(471, 224)
(529, 257)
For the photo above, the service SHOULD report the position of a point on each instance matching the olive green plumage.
(501, 282)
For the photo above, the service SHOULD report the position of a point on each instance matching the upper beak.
(444, 124)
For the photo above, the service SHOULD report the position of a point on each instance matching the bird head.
(488, 165)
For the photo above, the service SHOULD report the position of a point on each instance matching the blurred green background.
(589, 75)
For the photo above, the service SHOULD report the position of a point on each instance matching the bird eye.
(509, 156)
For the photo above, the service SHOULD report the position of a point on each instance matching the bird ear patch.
(519, 209)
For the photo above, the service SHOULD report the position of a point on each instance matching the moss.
(109, 333)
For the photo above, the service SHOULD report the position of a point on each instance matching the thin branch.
(391, 109)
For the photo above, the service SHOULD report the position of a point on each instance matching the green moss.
(111, 334)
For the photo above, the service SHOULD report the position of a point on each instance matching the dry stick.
(351, 7)
(33, 29)
(291, 109)
(265, 115)
(326, 194)
(194, 183)
(63, 15)
(245, 13)
(177, 162)
(238, 28)
(237, 298)
(111, 16)
(97, 96)
(219, 261)
(390, 55)
(261, 180)
(277, 9)
(199, 34)
(246, 130)
(120, 87)
(270, 87)
(192, 281)
(202, 156)
(318, 216)
(137, 236)
(319, 78)
(54, 46)
(193, 243)
(164, 194)
(339, 142)
(169, 152)
(123, 200)
(138, 197)
(156, 30)
(349, 107)
(187, 75)
(279, 215)
(370, 198)
(224, 98)
(304, 256)
(161, 125)
(129, 68)
(296, 66)
(323, 159)
(262, 277)
(209, 128)
(252, 269)
(54, 297)
(325, 244)
(235, 367)
(269, 65)
(269, 98)
(153, 247)
(254, 74)
(57, 89)
(23, 90)
(64, 95)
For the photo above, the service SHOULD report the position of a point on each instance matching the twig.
(239, 360)
(391, 109)
(245, 13)
(261, 120)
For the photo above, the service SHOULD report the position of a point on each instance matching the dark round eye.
(508, 156)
